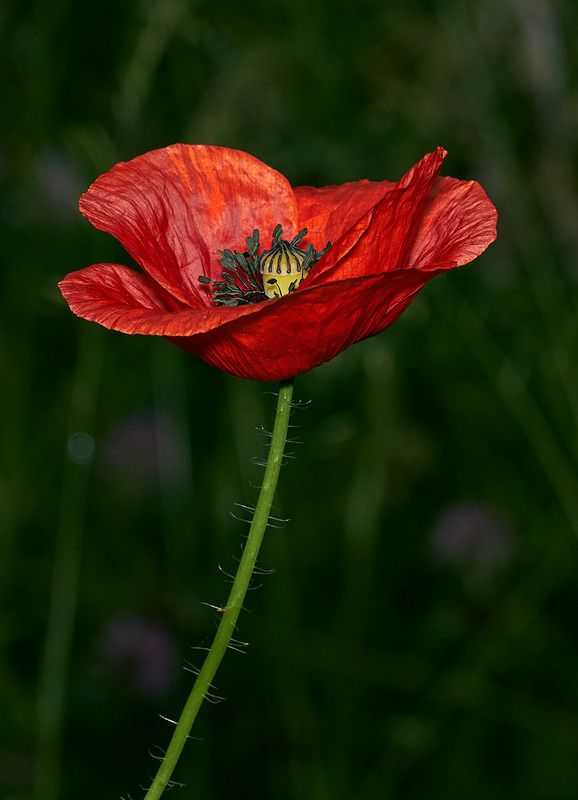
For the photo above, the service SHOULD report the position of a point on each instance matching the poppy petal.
(174, 208)
(266, 341)
(458, 223)
(381, 240)
(116, 297)
(329, 212)
(124, 300)
(301, 331)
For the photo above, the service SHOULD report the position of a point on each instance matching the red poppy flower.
(178, 210)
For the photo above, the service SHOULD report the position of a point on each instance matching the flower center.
(285, 265)
(251, 278)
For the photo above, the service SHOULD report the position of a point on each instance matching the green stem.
(236, 597)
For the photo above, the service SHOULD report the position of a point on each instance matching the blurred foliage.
(392, 655)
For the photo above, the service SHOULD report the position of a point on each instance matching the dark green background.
(378, 666)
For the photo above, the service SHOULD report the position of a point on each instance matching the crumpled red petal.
(174, 208)
(384, 236)
(265, 341)
(457, 224)
(124, 300)
(329, 212)
(308, 328)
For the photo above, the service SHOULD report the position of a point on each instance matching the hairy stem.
(236, 597)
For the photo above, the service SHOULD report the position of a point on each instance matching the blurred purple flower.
(471, 534)
(138, 655)
(139, 448)
(58, 178)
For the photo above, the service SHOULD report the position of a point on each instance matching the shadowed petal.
(174, 208)
(329, 212)
(265, 341)
(297, 332)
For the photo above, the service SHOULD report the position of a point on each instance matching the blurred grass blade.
(64, 590)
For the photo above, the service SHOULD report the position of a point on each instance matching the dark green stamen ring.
(250, 278)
